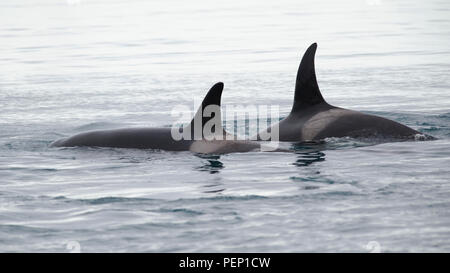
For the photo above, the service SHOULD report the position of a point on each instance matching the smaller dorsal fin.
(212, 98)
(307, 91)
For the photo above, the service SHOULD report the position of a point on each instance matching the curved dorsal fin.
(307, 91)
(202, 117)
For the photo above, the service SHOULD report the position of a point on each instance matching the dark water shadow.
(315, 151)
(308, 158)
(211, 163)
(308, 153)
(215, 187)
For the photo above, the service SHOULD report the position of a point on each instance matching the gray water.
(72, 66)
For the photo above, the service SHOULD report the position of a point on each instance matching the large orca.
(312, 118)
(215, 142)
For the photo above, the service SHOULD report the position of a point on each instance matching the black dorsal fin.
(212, 98)
(307, 91)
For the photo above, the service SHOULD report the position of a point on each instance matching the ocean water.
(68, 66)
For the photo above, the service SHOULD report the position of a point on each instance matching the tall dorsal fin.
(211, 103)
(307, 91)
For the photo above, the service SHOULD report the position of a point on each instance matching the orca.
(162, 138)
(313, 119)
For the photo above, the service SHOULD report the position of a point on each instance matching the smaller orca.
(214, 142)
(313, 119)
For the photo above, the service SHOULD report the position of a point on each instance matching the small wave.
(104, 200)
(444, 116)
(182, 210)
(312, 179)
(108, 200)
(422, 137)
(223, 198)
(20, 229)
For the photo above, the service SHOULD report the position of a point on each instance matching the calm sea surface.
(72, 66)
